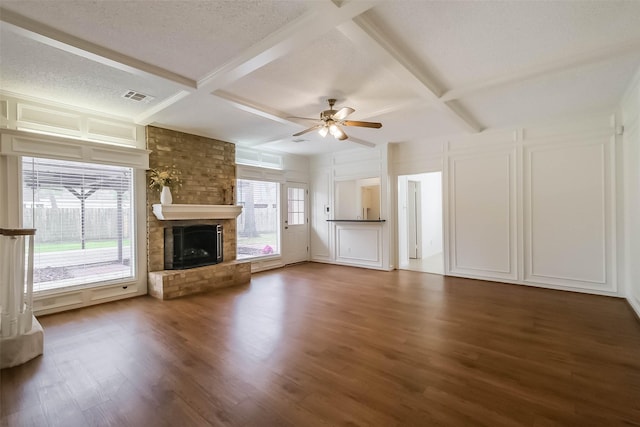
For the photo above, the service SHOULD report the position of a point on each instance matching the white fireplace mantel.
(178, 212)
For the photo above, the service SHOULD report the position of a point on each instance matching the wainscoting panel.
(107, 130)
(21, 143)
(359, 244)
(482, 214)
(568, 228)
(49, 119)
(52, 119)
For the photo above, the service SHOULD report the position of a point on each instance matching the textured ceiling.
(463, 41)
(238, 70)
(32, 68)
(188, 37)
(302, 81)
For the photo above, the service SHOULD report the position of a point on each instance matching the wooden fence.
(65, 224)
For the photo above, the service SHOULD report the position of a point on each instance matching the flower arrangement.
(167, 177)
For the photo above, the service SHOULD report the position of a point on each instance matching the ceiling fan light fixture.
(331, 121)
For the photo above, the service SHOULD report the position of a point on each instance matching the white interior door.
(413, 220)
(296, 223)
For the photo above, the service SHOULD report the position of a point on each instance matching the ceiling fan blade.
(362, 124)
(307, 130)
(362, 142)
(343, 113)
(339, 134)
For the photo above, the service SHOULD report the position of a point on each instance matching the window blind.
(83, 216)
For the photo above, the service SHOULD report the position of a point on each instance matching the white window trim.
(15, 144)
(275, 257)
(21, 143)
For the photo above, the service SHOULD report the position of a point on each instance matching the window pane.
(83, 216)
(259, 223)
(295, 206)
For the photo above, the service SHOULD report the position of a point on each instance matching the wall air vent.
(137, 96)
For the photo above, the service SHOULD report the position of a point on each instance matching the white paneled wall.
(19, 113)
(359, 244)
(482, 214)
(321, 206)
(349, 243)
(568, 227)
(536, 205)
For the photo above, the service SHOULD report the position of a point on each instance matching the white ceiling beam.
(254, 108)
(165, 103)
(322, 18)
(536, 71)
(55, 38)
(372, 40)
(288, 138)
(392, 108)
(276, 139)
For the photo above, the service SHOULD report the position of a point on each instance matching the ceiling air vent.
(137, 96)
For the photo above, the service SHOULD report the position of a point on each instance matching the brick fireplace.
(208, 177)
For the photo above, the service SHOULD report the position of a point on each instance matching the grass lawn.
(70, 246)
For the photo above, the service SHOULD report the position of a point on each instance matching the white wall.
(534, 205)
(321, 198)
(481, 219)
(431, 186)
(345, 200)
(349, 243)
(630, 164)
(402, 222)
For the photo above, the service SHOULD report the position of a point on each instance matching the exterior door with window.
(295, 246)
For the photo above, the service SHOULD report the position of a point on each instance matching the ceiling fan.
(331, 121)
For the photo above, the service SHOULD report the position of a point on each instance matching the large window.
(83, 215)
(259, 223)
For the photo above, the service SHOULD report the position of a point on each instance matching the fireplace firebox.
(192, 246)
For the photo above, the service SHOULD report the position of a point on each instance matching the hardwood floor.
(315, 345)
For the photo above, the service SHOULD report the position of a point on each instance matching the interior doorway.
(420, 246)
(414, 220)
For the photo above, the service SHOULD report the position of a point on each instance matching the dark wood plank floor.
(326, 345)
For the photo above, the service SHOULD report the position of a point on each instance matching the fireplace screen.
(192, 246)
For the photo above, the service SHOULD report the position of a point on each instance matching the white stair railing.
(16, 282)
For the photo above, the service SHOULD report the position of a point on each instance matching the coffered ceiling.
(239, 70)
